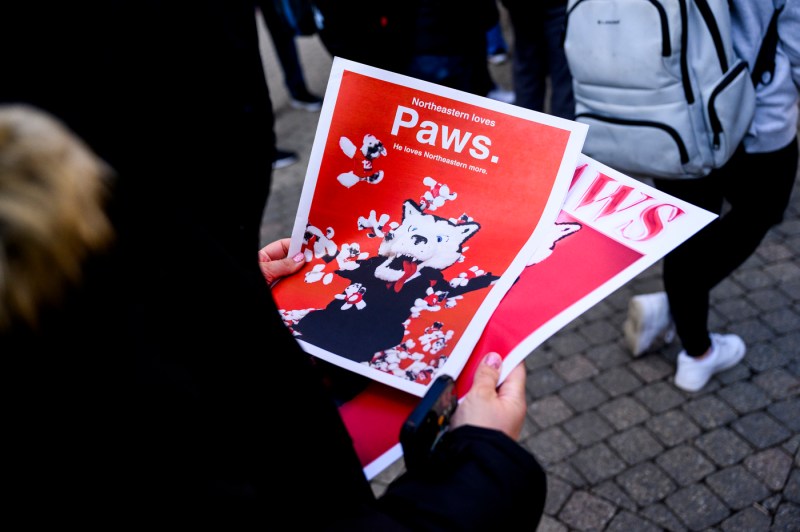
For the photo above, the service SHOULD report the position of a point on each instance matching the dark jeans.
(539, 53)
(466, 73)
(283, 36)
(755, 190)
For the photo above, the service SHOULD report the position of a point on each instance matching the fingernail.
(494, 360)
(299, 257)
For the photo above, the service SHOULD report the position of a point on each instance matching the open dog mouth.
(405, 264)
(402, 263)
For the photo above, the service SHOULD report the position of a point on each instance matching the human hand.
(487, 405)
(275, 263)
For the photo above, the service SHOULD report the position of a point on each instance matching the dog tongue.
(409, 269)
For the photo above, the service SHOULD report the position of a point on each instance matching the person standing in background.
(496, 45)
(283, 38)
(538, 29)
(755, 185)
(189, 403)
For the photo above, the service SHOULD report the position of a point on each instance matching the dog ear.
(410, 209)
(467, 230)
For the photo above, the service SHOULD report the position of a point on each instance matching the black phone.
(428, 422)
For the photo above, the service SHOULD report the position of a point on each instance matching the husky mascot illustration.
(410, 260)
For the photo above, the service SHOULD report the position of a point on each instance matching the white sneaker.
(648, 322)
(693, 373)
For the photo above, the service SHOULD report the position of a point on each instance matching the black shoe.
(282, 158)
(306, 101)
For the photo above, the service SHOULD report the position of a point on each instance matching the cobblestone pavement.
(624, 449)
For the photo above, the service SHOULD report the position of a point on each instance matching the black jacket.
(168, 390)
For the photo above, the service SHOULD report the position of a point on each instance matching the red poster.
(421, 207)
(610, 229)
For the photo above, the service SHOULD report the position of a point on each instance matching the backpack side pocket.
(729, 109)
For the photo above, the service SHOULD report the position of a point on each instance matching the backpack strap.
(764, 67)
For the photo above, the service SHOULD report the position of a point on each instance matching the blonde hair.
(52, 211)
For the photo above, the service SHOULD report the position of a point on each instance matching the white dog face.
(421, 241)
(372, 147)
(354, 288)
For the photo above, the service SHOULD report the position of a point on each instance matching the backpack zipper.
(716, 125)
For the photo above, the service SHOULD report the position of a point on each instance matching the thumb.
(487, 374)
(276, 269)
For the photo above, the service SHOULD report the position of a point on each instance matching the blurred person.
(496, 45)
(747, 209)
(449, 45)
(53, 198)
(376, 33)
(283, 39)
(538, 33)
(188, 402)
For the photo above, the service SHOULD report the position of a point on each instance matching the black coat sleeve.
(479, 479)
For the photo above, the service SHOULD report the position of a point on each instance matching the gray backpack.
(658, 83)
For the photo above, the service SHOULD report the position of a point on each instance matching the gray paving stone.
(549, 524)
(737, 309)
(583, 395)
(567, 344)
(635, 445)
(781, 320)
(549, 411)
(753, 330)
(786, 518)
(600, 331)
(778, 383)
(651, 368)
(752, 279)
(646, 483)
(739, 372)
(709, 411)
(663, 517)
(623, 412)
(764, 356)
(744, 397)
(551, 445)
(597, 463)
(575, 368)
(768, 298)
(737, 487)
(685, 464)
(761, 430)
(770, 504)
(568, 473)
(587, 428)
(771, 466)
(558, 492)
(697, 507)
(747, 520)
(791, 446)
(626, 522)
(611, 492)
(606, 356)
(659, 397)
(584, 511)
(618, 381)
(723, 446)
(783, 271)
(543, 382)
(541, 357)
(773, 250)
(786, 412)
(792, 489)
(672, 427)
